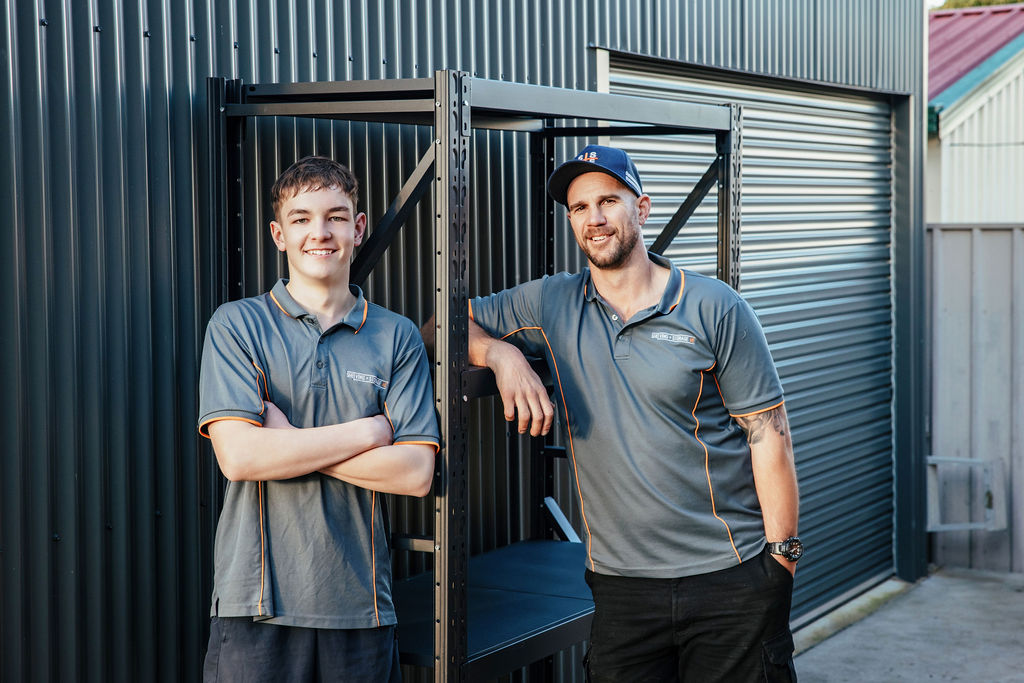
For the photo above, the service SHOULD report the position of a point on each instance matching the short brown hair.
(310, 174)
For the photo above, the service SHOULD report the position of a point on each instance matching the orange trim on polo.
(373, 553)
(387, 414)
(263, 551)
(682, 284)
(204, 427)
(366, 309)
(471, 311)
(265, 396)
(707, 463)
(568, 429)
(279, 305)
(436, 446)
(756, 412)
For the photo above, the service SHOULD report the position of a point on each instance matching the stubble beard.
(610, 260)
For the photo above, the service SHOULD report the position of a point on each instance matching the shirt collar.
(673, 290)
(283, 298)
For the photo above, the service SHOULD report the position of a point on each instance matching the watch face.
(794, 549)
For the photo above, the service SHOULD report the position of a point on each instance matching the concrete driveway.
(954, 625)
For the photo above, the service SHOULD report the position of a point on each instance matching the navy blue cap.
(610, 160)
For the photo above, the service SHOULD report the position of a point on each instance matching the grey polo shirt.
(309, 551)
(662, 469)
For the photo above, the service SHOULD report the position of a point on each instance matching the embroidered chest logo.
(674, 338)
(369, 379)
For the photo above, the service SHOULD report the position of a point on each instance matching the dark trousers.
(245, 650)
(731, 625)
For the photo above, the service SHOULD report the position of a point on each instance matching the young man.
(316, 402)
(678, 439)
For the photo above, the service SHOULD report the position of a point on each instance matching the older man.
(678, 438)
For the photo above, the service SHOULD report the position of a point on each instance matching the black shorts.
(245, 650)
(729, 625)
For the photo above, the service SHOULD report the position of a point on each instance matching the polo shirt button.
(615, 317)
(319, 363)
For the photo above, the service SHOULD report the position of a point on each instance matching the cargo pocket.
(777, 657)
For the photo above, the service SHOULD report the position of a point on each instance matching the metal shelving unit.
(505, 609)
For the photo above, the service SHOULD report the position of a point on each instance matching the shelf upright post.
(451, 201)
(729, 188)
(216, 194)
(542, 262)
(235, 226)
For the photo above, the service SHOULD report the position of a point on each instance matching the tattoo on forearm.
(757, 426)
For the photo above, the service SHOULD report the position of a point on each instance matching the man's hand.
(381, 427)
(274, 418)
(522, 391)
(788, 564)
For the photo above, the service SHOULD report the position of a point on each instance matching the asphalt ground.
(954, 625)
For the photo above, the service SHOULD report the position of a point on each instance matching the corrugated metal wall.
(816, 266)
(977, 355)
(982, 154)
(108, 497)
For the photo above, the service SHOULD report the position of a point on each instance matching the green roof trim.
(975, 76)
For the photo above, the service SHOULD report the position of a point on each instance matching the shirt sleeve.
(409, 397)
(515, 315)
(745, 370)
(232, 386)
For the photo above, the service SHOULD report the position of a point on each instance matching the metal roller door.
(816, 234)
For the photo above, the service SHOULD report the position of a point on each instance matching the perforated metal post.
(729, 194)
(451, 200)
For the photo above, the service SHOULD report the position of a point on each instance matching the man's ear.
(277, 234)
(643, 207)
(360, 228)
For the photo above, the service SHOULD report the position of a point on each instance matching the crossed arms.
(359, 452)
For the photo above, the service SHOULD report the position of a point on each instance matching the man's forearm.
(480, 344)
(405, 469)
(772, 461)
(246, 452)
(522, 391)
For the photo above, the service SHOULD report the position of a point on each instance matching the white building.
(975, 166)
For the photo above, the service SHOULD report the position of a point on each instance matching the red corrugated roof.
(961, 39)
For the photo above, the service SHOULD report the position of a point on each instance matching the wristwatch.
(791, 549)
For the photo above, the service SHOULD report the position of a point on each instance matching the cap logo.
(588, 156)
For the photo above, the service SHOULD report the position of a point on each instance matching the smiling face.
(318, 231)
(606, 218)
